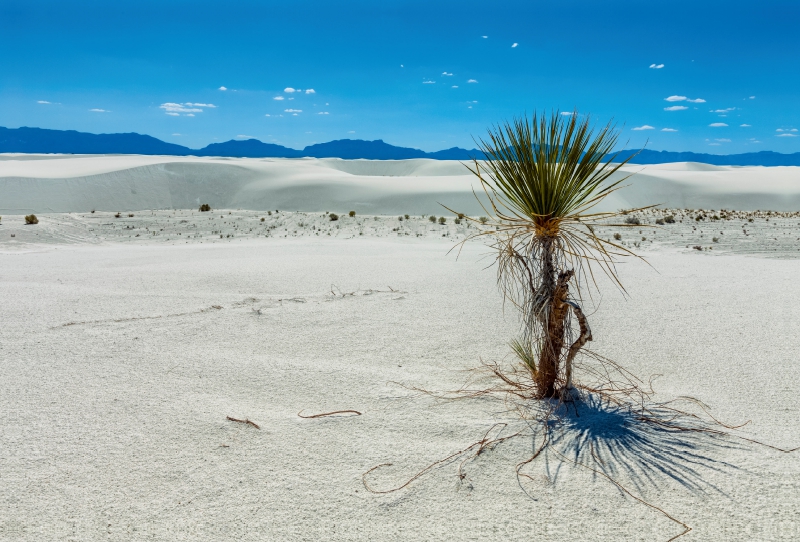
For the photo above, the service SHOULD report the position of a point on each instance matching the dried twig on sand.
(245, 421)
(357, 413)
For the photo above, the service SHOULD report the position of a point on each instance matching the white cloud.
(176, 134)
(656, 66)
(42, 102)
(753, 98)
(447, 74)
(472, 81)
(696, 100)
(323, 113)
(567, 113)
(717, 124)
(675, 108)
(726, 110)
(645, 127)
(669, 130)
(289, 90)
(428, 82)
(279, 98)
(402, 66)
(245, 137)
(351, 132)
(484, 37)
(744, 126)
(455, 86)
(174, 109)
(310, 91)
(514, 45)
(292, 110)
(793, 130)
(675, 98)
(723, 140)
(201, 105)
(99, 111)
(786, 135)
(267, 115)
(715, 144)
(222, 88)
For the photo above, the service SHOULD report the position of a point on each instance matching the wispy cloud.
(726, 110)
(201, 105)
(484, 37)
(351, 132)
(428, 82)
(676, 98)
(310, 91)
(753, 98)
(267, 115)
(99, 111)
(323, 113)
(675, 108)
(279, 98)
(717, 124)
(42, 102)
(669, 130)
(289, 90)
(786, 135)
(292, 110)
(240, 136)
(514, 45)
(472, 81)
(188, 109)
(723, 140)
(447, 74)
(176, 134)
(455, 86)
(656, 66)
(222, 88)
(744, 126)
(645, 127)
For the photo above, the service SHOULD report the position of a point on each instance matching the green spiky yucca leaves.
(542, 177)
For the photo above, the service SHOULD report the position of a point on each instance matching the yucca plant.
(542, 177)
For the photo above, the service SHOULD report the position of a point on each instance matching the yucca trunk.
(553, 320)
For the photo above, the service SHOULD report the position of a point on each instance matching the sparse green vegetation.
(669, 219)
(442, 220)
(633, 220)
(31, 219)
(432, 218)
(406, 216)
(483, 220)
(333, 217)
(205, 207)
(618, 237)
(351, 214)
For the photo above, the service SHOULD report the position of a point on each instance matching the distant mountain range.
(39, 140)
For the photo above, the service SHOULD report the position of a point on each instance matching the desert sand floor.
(121, 358)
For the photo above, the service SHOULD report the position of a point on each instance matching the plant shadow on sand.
(616, 441)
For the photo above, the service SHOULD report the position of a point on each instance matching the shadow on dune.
(616, 441)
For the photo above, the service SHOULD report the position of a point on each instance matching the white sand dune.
(59, 183)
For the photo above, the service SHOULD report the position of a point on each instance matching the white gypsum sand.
(78, 183)
(123, 356)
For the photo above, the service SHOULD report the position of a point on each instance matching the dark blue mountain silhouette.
(39, 140)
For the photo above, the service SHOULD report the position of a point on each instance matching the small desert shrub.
(457, 221)
(461, 216)
(715, 217)
(442, 220)
(262, 219)
(749, 219)
(334, 217)
(715, 239)
(633, 220)
(130, 215)
(92, 211)
(660, 222)
(644, 238)
(400, 218)
(351, 214)
(406, 216)
(670, 219)
(618, 237)
(697, 247)
(433, 218)
(205, 207)
(117, 215)
(31, 219)
(483, 220)
(269, 213)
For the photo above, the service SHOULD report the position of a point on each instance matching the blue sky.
(427, 74)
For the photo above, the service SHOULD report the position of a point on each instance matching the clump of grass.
(269, 213)
(461, 216)
(351, 214)
(117, 215)
(633, 220)
(660, 222)
(669, 219)
(715, 239)
(432, 218)
(205, 207)
(442, 220)
(130, 215)
(334, 217)
(457, 221)
(92, 211)
(31, 219)
(483, 220)
(400, 218)
(262, 219)
(406, 216)
(618, 237)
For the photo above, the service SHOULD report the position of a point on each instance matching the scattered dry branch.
(245, 421)
(357, 413)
